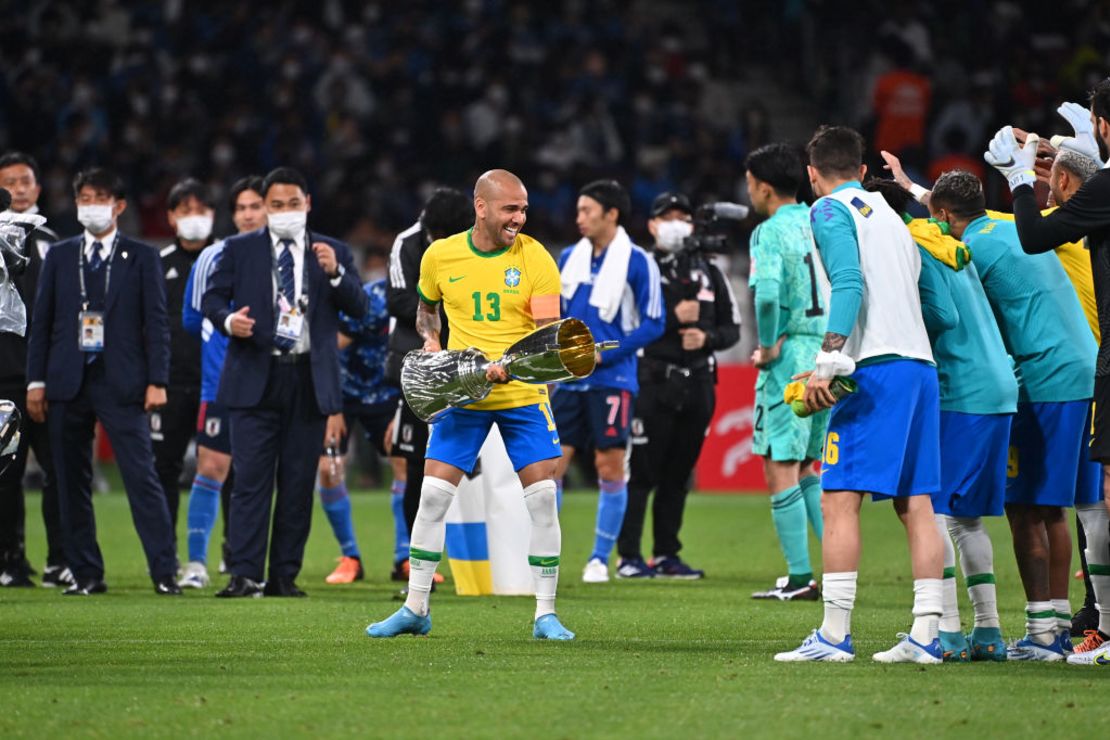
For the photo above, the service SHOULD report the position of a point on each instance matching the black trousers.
(665, 449)
(411, 442)
(72, 424)
(282, 436)
(12, 511)
(171, 429)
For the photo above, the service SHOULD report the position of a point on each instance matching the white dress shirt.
(106, 242)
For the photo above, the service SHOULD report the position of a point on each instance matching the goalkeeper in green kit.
(790, 316)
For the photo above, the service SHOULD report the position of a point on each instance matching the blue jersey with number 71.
(782, 260)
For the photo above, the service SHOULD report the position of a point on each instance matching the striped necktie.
(288, 288)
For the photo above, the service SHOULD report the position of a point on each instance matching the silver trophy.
(436, 382)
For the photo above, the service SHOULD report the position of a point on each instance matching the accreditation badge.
(290, 321)
(90, 331)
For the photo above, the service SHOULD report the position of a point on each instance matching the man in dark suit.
(19, 174)
(99, 349)
(277, 293)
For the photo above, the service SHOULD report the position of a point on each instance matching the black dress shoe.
(240, 587)
(283, 587)
(167, 587)
(86, 587)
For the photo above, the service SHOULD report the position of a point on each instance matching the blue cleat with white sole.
(987, 644)
(1029, 649)
(403, 622)
(548, 627)
(816, 648)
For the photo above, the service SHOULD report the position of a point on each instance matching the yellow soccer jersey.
(489, 298)
(1076, 261)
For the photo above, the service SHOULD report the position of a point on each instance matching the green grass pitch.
(652, 659)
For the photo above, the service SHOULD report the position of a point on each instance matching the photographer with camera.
(677, 375)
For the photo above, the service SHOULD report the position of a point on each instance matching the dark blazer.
(244, 277)
(136, 330)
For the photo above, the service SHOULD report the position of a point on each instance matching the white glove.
(831, 364)
(1013, 161)
(1084, 141)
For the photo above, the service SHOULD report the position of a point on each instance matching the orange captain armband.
(545, 307)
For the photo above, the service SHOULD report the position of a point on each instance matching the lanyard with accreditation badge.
(290, 319)
(90, 324)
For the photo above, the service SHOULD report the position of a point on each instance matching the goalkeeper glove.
(1013, 161)
(1084, 141)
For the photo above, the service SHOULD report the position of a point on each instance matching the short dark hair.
(190, 187)
(448, 211)
(13, 158)
(836, 150)
(779, 165)
(1099, 98)
(959, 192)
(250, 182)
(284, 176)
(610, 194)
(896, 196)
(101, 180)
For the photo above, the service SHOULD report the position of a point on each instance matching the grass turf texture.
(651, 659)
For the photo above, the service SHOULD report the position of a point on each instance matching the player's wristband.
(831, 364)
(919, 193)
(1017, 178)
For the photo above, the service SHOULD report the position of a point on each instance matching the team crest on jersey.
(512, 277)
(864, 209)
(212, 427)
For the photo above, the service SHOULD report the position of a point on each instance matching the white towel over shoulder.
(608, 290)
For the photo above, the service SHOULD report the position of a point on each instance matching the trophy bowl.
(436, 382)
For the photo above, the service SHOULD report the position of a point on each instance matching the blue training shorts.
(598, 418)
(1088, 485)
(973, 464)
(884, 439)
(529, 434)
(1045, 445)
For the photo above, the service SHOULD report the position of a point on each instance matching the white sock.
(426, 543)
(926, 609)
(1062, 607)
(1096, 525)
(950, 612)
(977, 562)
(839, 593)
(1040, 621)
(544, 544)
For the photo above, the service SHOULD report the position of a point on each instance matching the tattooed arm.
(428, 326)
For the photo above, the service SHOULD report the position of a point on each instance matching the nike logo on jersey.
(455, 279)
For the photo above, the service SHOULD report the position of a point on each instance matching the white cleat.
(908, 650)
(194, 575)
(816, 648)
(595, 572)
(1097, 655)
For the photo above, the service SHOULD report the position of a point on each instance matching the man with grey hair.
(1070, 170)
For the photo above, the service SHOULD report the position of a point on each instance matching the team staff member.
(19, 175)
(613, 286)
(99, 350)
(281, 376)
(447, 212)
(212, 484)
(190, 211)
(677, 376)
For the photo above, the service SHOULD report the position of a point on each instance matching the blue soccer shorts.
(1088, 485)
(598, 418)
(1045, 445)
(974, 449)
(884, 439)
(214, 427)
(529, 434)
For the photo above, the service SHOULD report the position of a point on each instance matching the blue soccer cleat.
(817, 648)
(954, 647)
(548, 627)
(404, 621)
(987, 644)
(909, 650)
(1029, 649)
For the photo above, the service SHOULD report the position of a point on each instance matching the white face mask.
(288, 224)
(669, 235)
(96, 218)
(194, 228)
